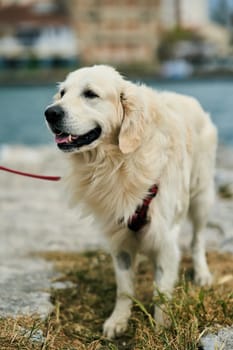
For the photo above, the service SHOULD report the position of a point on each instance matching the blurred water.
(22, 114)
(22, 108)
(216, 97)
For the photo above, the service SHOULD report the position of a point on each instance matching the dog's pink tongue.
(62, 139)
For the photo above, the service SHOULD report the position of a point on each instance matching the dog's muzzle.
(66, 141)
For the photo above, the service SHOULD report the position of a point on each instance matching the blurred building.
(222, 13)
(109, 31)
(195, 36)
(15, 2)
(130, 31)
(39, 29)
(184, 13)
(123, 31)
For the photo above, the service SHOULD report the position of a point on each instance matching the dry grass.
(80, 311)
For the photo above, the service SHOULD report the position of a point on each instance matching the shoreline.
(42, 77)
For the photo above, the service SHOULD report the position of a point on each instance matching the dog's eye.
(90, 94)
(62, 92)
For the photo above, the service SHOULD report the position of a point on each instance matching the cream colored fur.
(148, 137)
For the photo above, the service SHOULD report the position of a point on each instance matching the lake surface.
(22, 109)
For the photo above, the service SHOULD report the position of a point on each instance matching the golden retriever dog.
(141, 162)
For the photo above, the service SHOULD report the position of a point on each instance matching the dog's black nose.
(54, 114)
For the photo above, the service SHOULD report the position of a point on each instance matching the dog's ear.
(131, 131)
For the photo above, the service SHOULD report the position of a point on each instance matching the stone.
(226, 191)
(223, 340)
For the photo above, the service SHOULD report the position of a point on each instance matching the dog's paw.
(115, 326)
(203, 278)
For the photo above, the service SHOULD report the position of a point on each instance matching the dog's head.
(96, 104)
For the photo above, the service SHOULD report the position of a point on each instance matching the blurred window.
(27, 36)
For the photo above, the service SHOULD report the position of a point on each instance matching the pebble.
(223, 340)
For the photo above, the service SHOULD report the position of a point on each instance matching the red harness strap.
(139, 218)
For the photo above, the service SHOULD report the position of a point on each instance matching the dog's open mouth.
(68, 142)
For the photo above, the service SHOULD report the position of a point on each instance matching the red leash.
(41, 177)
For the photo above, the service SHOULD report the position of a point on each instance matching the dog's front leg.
(117, 323)
(166, 262)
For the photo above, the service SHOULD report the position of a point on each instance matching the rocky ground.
(34, 218)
